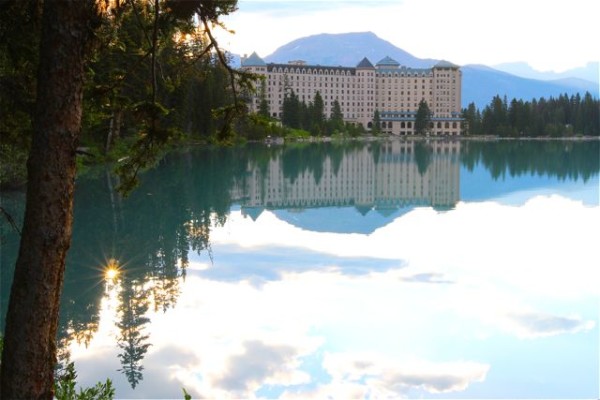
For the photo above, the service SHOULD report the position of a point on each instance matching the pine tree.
(317, 115)
(263, 107)
(336, 121)
(376, 128)
(423, 118)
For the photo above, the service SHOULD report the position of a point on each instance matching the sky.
(550, 35)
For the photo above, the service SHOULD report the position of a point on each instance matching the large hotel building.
(394, 90)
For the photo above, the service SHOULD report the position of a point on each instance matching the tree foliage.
(336, 121)
(311, 117)
(299, 115)
(263, 108)
(20, 24)
(66, 382)
(376, 126)
(423, 118)
(561, 116)
(153, 75)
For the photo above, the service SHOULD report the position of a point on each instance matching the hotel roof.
(385, 66)
(365, 63)
(253, 61)
(388, 61)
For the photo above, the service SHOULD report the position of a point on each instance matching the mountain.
(480, 83)
(590, 72)
(345, 49)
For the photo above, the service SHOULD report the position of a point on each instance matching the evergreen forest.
(563, 116)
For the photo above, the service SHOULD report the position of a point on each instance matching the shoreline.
(490, 138)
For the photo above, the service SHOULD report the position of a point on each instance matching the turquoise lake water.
(384, 268)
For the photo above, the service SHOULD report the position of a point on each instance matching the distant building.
(394, 90)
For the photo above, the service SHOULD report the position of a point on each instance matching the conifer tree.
(263, 107)
(376, 128)
(423, 118)
(336, 121)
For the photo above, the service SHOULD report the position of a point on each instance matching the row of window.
(349, 72)
(307, 78)
(280, 85)
(348, 84)
(403, 74)
(279, 80)
(312, 71)
(408, 93)
(441, 110)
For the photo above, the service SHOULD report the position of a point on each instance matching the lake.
(359, 269)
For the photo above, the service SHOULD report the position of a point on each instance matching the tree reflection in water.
(133, 305)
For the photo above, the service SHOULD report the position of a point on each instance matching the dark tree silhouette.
(423, 118)
(29, 354)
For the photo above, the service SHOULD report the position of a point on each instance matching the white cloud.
(261, 364)
(533, 324)
(549, 34)
(385, 377)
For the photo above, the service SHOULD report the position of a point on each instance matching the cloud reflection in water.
(428, 304)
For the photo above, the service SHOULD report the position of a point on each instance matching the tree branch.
(154, 50)
(139, 21)
(10, 220)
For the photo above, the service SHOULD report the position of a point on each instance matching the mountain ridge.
(355, 45)
(480, 83)
(590, 72)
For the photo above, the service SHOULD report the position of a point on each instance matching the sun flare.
(111, 271)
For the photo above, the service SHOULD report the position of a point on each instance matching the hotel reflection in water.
(399, 174)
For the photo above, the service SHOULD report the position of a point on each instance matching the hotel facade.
(393, 90)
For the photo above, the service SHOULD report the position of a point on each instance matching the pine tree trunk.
(29, 353)
(114, 129)
(111, 127)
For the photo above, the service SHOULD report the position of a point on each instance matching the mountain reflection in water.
(355, 269)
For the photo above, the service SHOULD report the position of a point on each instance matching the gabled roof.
(445, 64)
(365, 63)
(388, 61)
(253, 61)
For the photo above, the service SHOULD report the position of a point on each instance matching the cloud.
(291, 8)
(534, 324)
(430, 381)
(396, 21)
(272, 263)
(427, 277)
(259, 364)
(379, 375)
